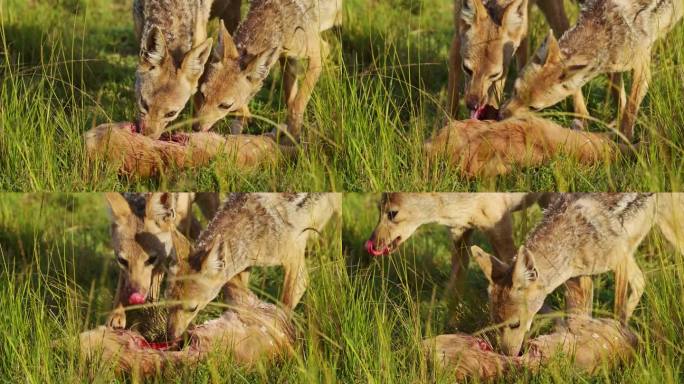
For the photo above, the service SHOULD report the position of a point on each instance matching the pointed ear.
(161, 207)
(549, 52)
(226, 48)
(193, 62)
(471, 10)
(257, 68)
(153, 49)
(118, 206)
(515, 16)
(490, 265)
(215, 260)
(525, 270)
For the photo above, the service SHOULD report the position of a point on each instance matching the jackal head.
(488, 43)
(141, 240)
(230, 81)
(400, 215)
(194, 282)
(515, 295)
(162, 85)
(546, 80)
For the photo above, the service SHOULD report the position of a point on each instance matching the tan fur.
(610, 36)
(143, 237)
(141, 156)
(249, 332)
(259, 229)
(590, 344)
(487, 35)
(287, 29)
(489, 148)
(580, 235)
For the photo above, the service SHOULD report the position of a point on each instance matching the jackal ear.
(226, 48)
(257, 68)
(193, 62)
(549, 52)
(215, 260)
(492, 267)
(472, 10)
(153, 48)
(161, 207)
(525, 270)
(515, 16)
(118, 205)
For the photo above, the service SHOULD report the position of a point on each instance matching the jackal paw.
(117, 320)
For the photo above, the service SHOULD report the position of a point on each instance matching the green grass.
(361, 320)
(67, 66)
(395, 75)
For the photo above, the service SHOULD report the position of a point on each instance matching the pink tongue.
(370, 247)
(477, 113)
(136, 298)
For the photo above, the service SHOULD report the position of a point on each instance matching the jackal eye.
(226, 106)
(151, 260)
(515, 325)
(535, 109)
(392, 214)
(495, 76)
(123, 262)
(467, 70)
(171, 114)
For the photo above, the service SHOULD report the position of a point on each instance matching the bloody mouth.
(386, 250)
(485, 112)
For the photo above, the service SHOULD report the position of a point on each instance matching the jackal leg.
(636, 287)
(290, 72)
(579, 295)
(236, 288)
(641, 76)
(208, 203)
(617, 91)
(580, 108)
(670, 216)
(296, 281)
(117, 318)
(229, 12)
(501, 238)
(459, 264)
(620, 307)
(295, 115)
(554, 12)
(455, 83)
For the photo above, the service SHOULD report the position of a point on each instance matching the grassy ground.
(68, 65)
(394, 79)
(361, 320)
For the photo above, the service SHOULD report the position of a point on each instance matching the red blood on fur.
(136, 298)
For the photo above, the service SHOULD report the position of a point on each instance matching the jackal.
(143, 236)
(174, 48)
(285, 29)
(487, 35)
(580, 235)
(258, 229)
(402, 213)
(610, 36)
